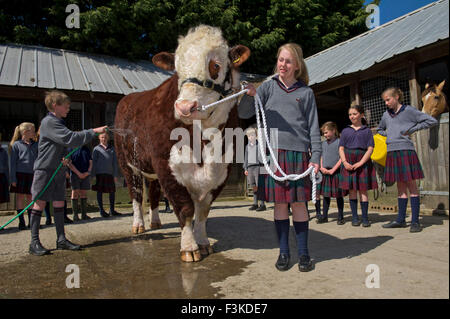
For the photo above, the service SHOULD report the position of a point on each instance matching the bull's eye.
(436, 97)
(214, 69)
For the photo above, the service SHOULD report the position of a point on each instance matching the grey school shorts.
(77, 183)
(56, 191)
(252, 177)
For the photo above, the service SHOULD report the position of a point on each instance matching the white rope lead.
(315, 178)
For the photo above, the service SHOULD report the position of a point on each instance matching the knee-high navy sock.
(354, 209)
(340, 205)
(47, 211)
(58, 214)
(402, 204)
(112, 199)
(326, 206)
(282, 227)
(301, 232)
(415, 209)
(317, 205)
(21, 218)
(100, 201)
(365, 211)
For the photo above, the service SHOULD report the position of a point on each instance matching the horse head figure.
(434, 100)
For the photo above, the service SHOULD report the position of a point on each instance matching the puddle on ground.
(144, 266)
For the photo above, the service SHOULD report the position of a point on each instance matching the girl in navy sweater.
(357, 171)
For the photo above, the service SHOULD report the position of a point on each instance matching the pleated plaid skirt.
(23, 185)
(104, 183)
(402, 166)
(330, 186)
(291, 162)
(363, 178)
(4, 191)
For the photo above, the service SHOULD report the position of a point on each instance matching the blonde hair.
(251, 130)
(330, 126)
(55, 97)
(297, 52)
(394, 91)
(18, 132)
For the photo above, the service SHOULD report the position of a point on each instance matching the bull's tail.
(144, 176)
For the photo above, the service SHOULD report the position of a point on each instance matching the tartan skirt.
(23, 185)
(4, 192)
(402, 166)
(104, 183)
(291, 162)
(363, 178)
(330, 186)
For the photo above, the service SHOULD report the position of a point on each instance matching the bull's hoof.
(138, 229)
(190, 256)
(156, 225)
(205, 250)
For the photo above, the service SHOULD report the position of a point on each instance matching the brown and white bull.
(206, 70)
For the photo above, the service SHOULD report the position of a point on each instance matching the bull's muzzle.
(185, 107)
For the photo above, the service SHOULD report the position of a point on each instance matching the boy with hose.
(55, 137)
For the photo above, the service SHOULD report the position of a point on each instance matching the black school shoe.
(305, 264)
(37, 249)
(282, 262)
(395, 224)
(321, 219)
(261, 208)
(253, 207)
(415, 228)
(67, 245)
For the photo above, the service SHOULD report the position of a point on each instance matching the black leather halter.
(211, 85)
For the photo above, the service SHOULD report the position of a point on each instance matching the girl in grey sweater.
(289, 106)
(402, 164)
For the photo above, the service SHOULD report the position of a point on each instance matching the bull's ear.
(239, 54)
(164, 60)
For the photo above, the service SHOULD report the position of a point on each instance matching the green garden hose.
(42, 192)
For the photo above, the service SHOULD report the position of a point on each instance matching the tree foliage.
(138, 29)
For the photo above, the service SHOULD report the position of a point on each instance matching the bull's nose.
(185, 107)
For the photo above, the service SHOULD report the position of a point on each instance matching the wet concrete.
(145, 266)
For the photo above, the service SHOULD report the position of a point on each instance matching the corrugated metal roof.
(34, 66)
(416, 29)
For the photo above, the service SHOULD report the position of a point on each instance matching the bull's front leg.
(138, 218)
(200, 235)
(189, 247)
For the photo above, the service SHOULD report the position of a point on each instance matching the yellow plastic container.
(380, 149)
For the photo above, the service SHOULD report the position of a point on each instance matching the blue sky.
(391, 9)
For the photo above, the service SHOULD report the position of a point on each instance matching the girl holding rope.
(290, 107)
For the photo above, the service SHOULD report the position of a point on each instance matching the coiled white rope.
(263, 138)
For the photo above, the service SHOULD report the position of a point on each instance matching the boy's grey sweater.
(22, 158)
(104, 161)
(54, 138)
(407, 120)
(294, 114)
(4, 166)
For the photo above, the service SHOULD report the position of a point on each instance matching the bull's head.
(207, 71)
